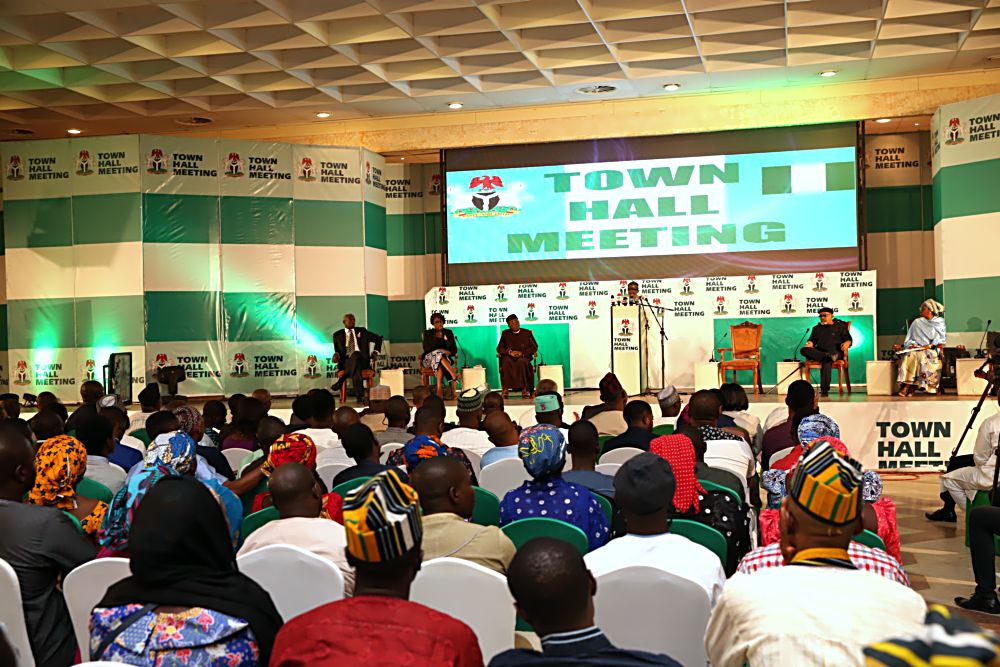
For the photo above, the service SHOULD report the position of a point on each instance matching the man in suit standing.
(353, 353)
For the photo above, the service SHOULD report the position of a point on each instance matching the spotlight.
(671, 87)
(323, 114)
(455, 105)
(73, 130)
(828, 73)
(883, 120)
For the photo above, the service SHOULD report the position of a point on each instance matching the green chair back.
(142, 434)
(76, 522)
(91, 489)
(601, 439)
(870, 539)
(605, 505)
(247, 498)
(663, 429)
(706, 536)
(712, 486)
(256, 520)
(524, 530)
(486, 511)
(342, 489)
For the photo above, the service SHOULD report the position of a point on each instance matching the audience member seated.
(503, 436)
(717, 509)
(607, 416)
(214, 414)
(812, 614)
(644, 490)
(324, 424)
(48, 401)
(60, 464)
(262, 396)
(191, 422)
(165, 422)
(186, 602)
(426, 443)
(543, 452)
(583, 448)
(379, 625)
(529, 416)
(129, 450)
(807, 428)
(638, 415)
(96, 434)
(244, 428)
(91, 392)
(117, 525)
(149, 402)
(42, 545)
(46, 424)
(801, 401)
(299, 497)
(946, 639)
(447, 499)
(397, 419)
(361, 445)
(297, 448)
(703, 471)
(723, 449)
(669, 401)
(492, 402)
(344, 417)
(736, 404)
(554, 592)
(468, 437)
(269, 429)
(984, 525)
(436, 403)
(11, 405)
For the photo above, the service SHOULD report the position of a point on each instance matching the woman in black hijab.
(184, 579)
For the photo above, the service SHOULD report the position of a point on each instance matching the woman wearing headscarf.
(117, 524)
(542, 450)
(805, 429)
(297, 448)
(193, 424)
(60, 464)
(186, 602)
(920, 360)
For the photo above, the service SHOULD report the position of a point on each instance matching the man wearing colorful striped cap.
(379, 625)
(820, 610)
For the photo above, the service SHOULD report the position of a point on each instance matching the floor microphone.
(715, 348)
(986, 330)
(795, 353)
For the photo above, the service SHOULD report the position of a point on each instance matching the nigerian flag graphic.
(801, 178)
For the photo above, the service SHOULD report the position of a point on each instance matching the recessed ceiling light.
(671, 86)
(916, 123)
(401, 158)
(600, 89)
(455, 105)
(828, 73)
(193, 120)
(323, 114)
(883, 120)
(73, 130)
(993, 58)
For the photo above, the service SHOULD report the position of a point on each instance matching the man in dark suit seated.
(353, 353)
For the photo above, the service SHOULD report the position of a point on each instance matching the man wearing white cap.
(670, 405)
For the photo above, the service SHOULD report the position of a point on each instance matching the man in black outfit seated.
(827, 343)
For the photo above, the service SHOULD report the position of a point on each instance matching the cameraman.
(984, 524)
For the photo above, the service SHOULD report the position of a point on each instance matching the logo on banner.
(954, 132)
(161, 360)
(88, 369)
(470, 314)
(751, 285)
(788, 304)
(156, 162)
(501, 294)
(240, 369)
(720, 305)
(233, 166)
(312, 368)
(368, 172)
(442, 296)
(306, 171)
(485, 199)
(21, 375)
(592, 310)
(434, 188)
(622, 287)
(657, 302)
(15, 170)
(686, 287)
(855, 302)
(561, 294)
(84, 167)
(819, 283)
(531, 317)
(625, 330)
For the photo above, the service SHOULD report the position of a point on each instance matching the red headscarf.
(291, 447)
(678, 451)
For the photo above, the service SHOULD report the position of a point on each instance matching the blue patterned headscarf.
(175, 450)
(814, 427)
(542, 449)
(117, 522)
(420, 448)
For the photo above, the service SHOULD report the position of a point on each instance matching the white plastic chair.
(12, 616)
(84, 587)
(647, 609)
(329, 471)
(297, 580)
(621, 455)
(235, 456)
(473, 594)
(502, 476)
(778, 455)
(475, 460)
(388, 449)
(608, 468)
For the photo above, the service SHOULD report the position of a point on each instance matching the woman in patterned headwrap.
(920, 367)
(117, 524)
(807, 429)
(60, 464)
(297, 448)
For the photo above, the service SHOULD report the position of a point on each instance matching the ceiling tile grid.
(244, 62)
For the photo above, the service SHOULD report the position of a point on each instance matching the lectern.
(628, 347)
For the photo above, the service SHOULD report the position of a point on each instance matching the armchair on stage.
(841, 365)
(367, 376)
(525, 393)
(426, 374)
(744, 353)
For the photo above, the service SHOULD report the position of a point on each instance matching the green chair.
(76, 522)
(605, 505)
(342, 489)
(870, 539)
(142, 434)
(248, 497)
(256, 520)
(981, 498)
(91, 489)
(663, 429)
(712, 486)
(524, 530)
(601, 439)
(486, 511)
(706, 536)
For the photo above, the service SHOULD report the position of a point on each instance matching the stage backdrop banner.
(571, 320)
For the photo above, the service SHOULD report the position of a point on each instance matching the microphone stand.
(643, 302)
(986, 330)
(795, 358)
(990, 385)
